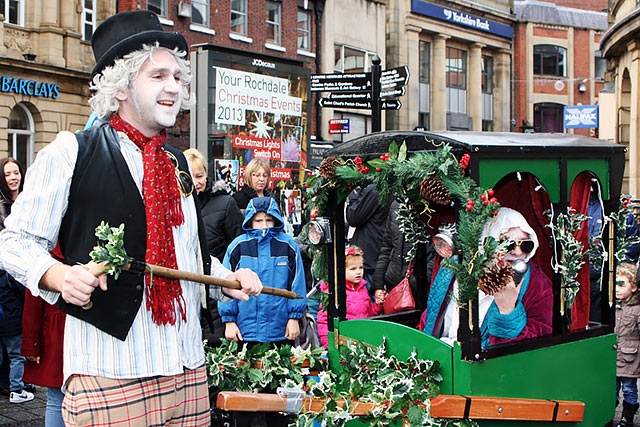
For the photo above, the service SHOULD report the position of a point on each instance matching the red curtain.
(579, 201)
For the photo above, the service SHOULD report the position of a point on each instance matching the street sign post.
(344, 103)
(364, 91)
(391, 104)
(393, 92)
(394, 78)
(350, 96)
(348, 82)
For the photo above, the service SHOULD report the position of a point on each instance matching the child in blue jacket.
(266, 249)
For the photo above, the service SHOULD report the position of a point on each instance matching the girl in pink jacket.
(359, 303)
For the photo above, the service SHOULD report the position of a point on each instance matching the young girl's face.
(624, 289)
(354, 270)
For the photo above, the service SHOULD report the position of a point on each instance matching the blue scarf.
(437, 295)
(516, 320)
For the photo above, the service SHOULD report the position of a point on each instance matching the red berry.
(306, 186)
(486, 202)
(309, 173)
(490, 192)
(469, 207)
(483, 197)
(493, 200)
(378, 169)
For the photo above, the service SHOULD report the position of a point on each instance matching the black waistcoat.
(102, 189)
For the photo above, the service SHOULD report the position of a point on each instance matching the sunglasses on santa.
(525, 245)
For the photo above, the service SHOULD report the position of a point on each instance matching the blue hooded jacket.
(275, 257)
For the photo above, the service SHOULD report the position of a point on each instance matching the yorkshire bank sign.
(457, 17)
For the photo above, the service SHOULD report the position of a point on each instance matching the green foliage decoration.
(396, 174)
(619, 218)
(110, 249)
(400, 389)
(572, 251)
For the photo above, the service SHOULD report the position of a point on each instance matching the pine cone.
(432, 189)
(496, 278)
(328, 166)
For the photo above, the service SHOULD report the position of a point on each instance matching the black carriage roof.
(377, 143)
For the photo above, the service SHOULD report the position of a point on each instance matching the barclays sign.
(580, 116)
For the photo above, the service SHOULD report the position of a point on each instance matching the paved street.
(28, 414)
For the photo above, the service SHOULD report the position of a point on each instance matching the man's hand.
(232, 332)
(75, 283)
(293, 329)
(250, 282)
(380, 295)
(507, 297)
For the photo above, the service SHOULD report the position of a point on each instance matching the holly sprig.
(401, 389)
(572, 252)
(110, 249)
(619, 218)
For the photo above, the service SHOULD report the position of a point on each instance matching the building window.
(239, 17)
(159, 7)
(423, 120)
(425, 62)
(349, 59)
(200, 12)
(456, 68)
(304, 30)
(13, 11)
(274, 14)
(548, 117)
(600, 65)
(549, 60)
(487, 74)
(88, 19)
(21, 135)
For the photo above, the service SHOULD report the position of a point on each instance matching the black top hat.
(126, 32)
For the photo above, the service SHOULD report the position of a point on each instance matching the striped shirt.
(32, 231)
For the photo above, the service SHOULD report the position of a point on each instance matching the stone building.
(45, 61)
(620, 48)
(459, 55)
(557, 62)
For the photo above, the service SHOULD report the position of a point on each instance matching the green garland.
(573, 253)
(397, 174)
(619, 218)
(401, 389)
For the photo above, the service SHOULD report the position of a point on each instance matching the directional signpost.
(345, 103)
(394, 79)
(391, 104)
(363, 90)
(349, 82)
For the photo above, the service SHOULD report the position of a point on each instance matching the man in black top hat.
(133, 351)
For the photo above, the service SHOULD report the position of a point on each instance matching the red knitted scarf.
(163, 211)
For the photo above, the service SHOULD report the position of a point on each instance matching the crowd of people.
(129, 350)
